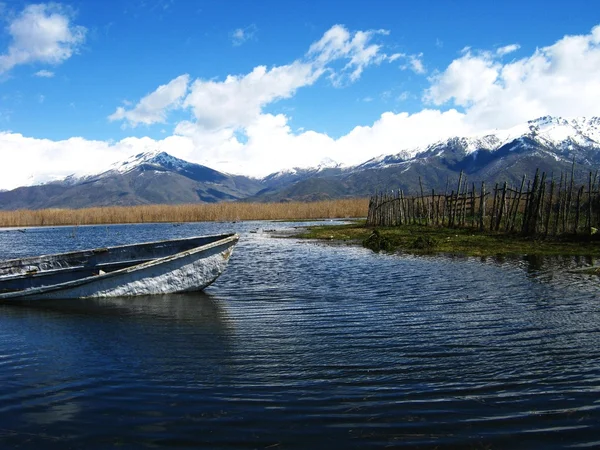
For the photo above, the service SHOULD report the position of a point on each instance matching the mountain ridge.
(549, 143)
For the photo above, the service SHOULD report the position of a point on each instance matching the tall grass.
(330, 209)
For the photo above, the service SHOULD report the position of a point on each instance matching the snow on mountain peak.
(328, 163)
(549, 131)
(154, 157)
(557, 131)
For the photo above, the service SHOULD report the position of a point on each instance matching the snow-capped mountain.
(145, 178)
(548, 143)
(562, 137)
(151, 158)
(155, 162)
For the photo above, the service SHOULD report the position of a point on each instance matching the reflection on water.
(304, 345)
(198, 308)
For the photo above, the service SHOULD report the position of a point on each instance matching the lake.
(306, 345)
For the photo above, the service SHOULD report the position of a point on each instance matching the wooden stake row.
(541, 207)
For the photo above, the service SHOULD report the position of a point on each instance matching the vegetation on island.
(541, 218)
(421, 239)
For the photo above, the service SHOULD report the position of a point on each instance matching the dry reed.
(213, 212)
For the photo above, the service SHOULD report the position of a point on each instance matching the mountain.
(548, 143)
(278, 182)
(146, 178)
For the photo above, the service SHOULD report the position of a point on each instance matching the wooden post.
(451, 210)
(570, 195)
(423, 201)
(463, 214)
(444, 209)
(588, 223)
(539, 209)
(493, 214)
(549, 208)
(482, 207)
(578, 206)
(473, 206)
(455, 206)
(433, 219)
(518, 204)
(528, 200)
(402, 208)
(558, 206)
(499, 218)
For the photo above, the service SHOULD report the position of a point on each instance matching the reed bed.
(213, 212)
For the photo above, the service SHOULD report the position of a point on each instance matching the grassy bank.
(230, 211)
(417, 239)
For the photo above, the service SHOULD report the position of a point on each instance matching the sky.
(253, 87)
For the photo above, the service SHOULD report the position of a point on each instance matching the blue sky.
(86, 83)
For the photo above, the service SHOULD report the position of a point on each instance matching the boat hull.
(187, 271)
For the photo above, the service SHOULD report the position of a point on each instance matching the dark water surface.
(305, 345)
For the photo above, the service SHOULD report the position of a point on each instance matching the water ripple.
(307, 345)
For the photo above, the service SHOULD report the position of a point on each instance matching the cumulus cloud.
(239, 99)
(241, 35)
(154, 107)
(272, 145)
(228, 128)
(466, 80)
(27, 161)
(42, 33)
(340, 44)
(269, 145)
(560, 79)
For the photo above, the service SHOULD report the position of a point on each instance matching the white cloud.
(238, 100)
(507, 49)
(416, 64)
(27, 160)
(271, 145)
(411, 62)
(44, 74)
(241, 35)
(42, 33)
(153, 107)
(229, 129)
(560, 79)
(466, 80)
(339, 44)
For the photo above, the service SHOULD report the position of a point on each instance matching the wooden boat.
(163, 267)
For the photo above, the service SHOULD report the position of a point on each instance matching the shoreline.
(422, 240)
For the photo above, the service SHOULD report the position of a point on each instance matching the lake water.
(306, 345)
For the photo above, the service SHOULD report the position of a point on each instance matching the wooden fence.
(538, 207)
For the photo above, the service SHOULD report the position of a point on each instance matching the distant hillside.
(147, 178)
